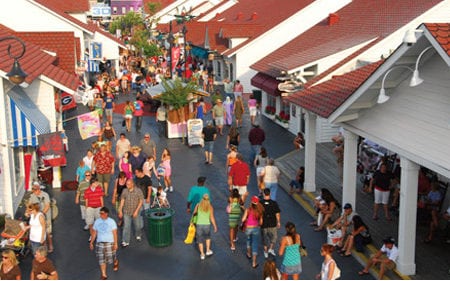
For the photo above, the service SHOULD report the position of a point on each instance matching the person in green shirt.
(205, 218)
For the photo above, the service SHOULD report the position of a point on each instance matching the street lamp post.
(16, 75)
(170, 39)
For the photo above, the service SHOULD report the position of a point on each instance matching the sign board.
(195, 128)
(95, 51)
(101, 11)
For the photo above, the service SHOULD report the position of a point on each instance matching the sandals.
(362, 272)
(313, 223)
(116, 265)
(249, 257)
(255, 266)
(343, 254)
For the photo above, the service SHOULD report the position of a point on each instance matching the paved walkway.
(432, 260)
(140, 261)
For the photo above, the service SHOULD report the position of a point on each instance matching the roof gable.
(358, 22)
(441, 33)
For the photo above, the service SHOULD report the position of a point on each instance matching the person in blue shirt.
(200, 109)
(196, 194)
(81, 171)
(104, 235)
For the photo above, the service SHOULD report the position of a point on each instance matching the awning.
(266, 83)
(199, 52)
(27, 121)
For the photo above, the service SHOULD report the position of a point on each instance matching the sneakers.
(202, 257)
(209, 253)
(86, 227)
(166, 189)
(272, 252)
(171, 189)
(125, 244)
(139, 238)
(266, 255)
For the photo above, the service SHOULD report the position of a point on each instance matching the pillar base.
(406, 269)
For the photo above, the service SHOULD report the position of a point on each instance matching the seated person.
(330, 213)
(386, 257)
(344, 223)
(432, 203)
(359, 237)
(298, 182)
(299, 141)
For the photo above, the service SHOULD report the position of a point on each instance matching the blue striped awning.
(27, 121)
(93, 65)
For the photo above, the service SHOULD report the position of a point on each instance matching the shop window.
(124, 10)
(131, 9)
(114, 10)
(285, 107)
(293, 110)
(271, 101)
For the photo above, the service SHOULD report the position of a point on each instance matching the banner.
(175, 57)
(51, 149)
(27, 157)
(89, 124)
(67, 101)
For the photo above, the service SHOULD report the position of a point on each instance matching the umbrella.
(157, 90)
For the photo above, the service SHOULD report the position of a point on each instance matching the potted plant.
(177, 96)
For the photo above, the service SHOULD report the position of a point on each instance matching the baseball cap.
(389, 240)
(255, 199)
(348, 206)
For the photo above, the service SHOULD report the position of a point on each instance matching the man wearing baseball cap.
(344, 223)
(386, 257)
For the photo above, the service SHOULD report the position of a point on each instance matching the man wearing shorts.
(271, 223)
(103, 166)
(239, 176)
(381, 184)
(386, 257)
(104, 234)
(93, 197)
(209, 134)
(218, 112)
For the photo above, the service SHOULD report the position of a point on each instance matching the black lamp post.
(183, 18)
(16, 75)
(170, 39)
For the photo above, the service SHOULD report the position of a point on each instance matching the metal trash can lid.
(159, 214)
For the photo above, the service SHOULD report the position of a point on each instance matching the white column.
(350, 160)
(310, 152)
(56, 183)
(408, 213)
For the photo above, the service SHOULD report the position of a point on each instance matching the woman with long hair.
(125, 165)
(328, 265)
(290, 250)
(359, 237)
(128, 114)
(270, 270)
(238, 111)
(9, 266)
(165, 165)
(233, 137)
(205, 218)
(331, 213)
(252, 219)
(119, 185)
(260, 163)
(231, 157)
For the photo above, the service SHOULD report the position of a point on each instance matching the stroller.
(15, 237)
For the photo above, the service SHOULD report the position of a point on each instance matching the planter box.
(282, 124)
(270, 116)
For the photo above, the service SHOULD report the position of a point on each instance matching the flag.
(89, 124)
(51, 149)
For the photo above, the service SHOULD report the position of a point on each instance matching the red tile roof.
(441, 32)
(34, 62)
(245, 19)
(323, 99)
(67, 6)
(359, 22)
(93, 27)
(64, 44)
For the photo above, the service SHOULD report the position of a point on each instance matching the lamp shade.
(382, 97)
(16, 75)
(415, 79)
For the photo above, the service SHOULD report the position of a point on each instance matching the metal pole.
(170, 48)
(185, 54)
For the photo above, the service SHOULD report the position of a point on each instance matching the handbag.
(190, 234)
(303, 251)
(336, 272)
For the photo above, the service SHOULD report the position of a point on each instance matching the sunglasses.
(88, 175)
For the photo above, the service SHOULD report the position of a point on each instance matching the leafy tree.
(126, 23)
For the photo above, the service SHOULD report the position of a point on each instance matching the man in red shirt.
(93, 197)
(103, 166)
(138, 113)
(239, 176)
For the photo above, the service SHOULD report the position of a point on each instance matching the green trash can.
(160, 227)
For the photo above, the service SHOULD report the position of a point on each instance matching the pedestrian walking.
(128, 114)
(42, 267)
(161, 118)
(238, 111)
(209, 135)
(120, 185)
(234, 210)
(196, 194)
(260, 161)
(103, 166)
(109, 106)
(148, 145)
(88, 158)
(130, 210)
(290, 250)
(205, 218)
(329, 270)
(167, 170)
(233, 138)
(144, 183)
(138, 113)
(271, 222)
(239, 177)
(228, 106)
(270, 175)
(42, 197)
(137, 158)
(81, 170)
(94, 201)
(105, 236)
(125, 165)
(149, 167)
(238, 89)
(218, 114)
(122, 145)
(256, 137)
(252, 108)
(252, 219)
(79, 196)
(36, 225)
